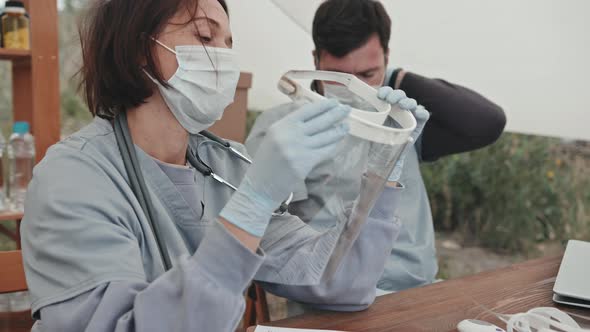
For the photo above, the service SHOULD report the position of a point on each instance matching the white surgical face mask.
(202, 87)
(345, 96)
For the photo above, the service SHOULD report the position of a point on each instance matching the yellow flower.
(558, 162)
(550, 175)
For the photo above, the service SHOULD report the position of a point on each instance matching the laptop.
(572, 286)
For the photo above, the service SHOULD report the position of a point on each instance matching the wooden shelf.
(16, 321)
(14, 55)
(10, 215)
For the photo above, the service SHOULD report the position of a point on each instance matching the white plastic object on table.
(474, 325)
(261, 328)
(542, 319)
(367, 125)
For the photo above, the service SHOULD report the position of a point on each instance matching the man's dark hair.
(341, 26)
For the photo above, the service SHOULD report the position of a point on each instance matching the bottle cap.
(21, 127)
(15, 4)
(15, 7)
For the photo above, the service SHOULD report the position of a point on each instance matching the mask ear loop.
(163, 45)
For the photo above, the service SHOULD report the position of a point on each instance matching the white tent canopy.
(529, 56)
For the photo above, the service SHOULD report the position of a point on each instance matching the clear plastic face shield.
(347, 187)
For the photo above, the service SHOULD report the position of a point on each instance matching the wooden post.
(22, 86)
(36, 91)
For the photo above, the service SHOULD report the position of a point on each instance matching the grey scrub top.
(413, 259)
(92, 263)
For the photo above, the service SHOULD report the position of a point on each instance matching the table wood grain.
(441, 306)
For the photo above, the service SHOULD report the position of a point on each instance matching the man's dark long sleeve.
(462, 120)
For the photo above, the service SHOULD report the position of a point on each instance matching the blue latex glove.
(291, 149)
(399, 98)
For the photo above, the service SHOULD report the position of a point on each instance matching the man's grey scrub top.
(412, 261)
(92, 263)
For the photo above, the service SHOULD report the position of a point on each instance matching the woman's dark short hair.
(341, 26)
(115, 42)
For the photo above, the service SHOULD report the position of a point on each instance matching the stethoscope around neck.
(139, 187)
(196, 162)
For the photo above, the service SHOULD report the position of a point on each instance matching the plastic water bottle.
(19, 302)
(21, 152)
(3, 174)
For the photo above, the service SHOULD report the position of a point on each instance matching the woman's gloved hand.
(291, 149)
(399, 98)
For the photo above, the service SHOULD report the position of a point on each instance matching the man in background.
(352, 36)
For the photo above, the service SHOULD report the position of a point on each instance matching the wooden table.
(439, 307)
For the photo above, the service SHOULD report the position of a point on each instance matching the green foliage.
(251, 117)
(520, 191)
(72, 106)
(7, 243)
(5, 98)
(74, 113)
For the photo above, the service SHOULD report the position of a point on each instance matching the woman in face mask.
(92, 257)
